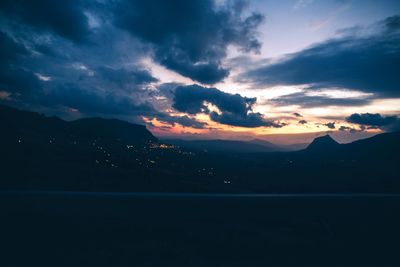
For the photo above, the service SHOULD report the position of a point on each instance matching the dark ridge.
(112, 129)
(221, 146)
(381, 146)
(30, 124)
(323, 144)
(47, 153)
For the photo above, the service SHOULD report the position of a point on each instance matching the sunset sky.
(284, 71)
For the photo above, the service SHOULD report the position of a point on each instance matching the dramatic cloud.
(126, 78)
(349, 129)
(66, 84)
(309, 101)
(93, 102)
(192, 99)
(18, 81)
(14, 78)
(40, 68)
(392, 23)
(330, 125)
(366, 63)
(232, 109)
(100, 72)
(369, 119)
(65, 18)
(9, 49)
(190, 37)
(250, 120)
(185, 121)
(297, 114)
(82, 58)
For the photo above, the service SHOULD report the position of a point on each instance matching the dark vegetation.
(93, 154)
(118, 230)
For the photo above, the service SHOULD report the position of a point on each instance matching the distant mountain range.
(31, 125)
(234, 146)
(95, 154)
(381, 146)
(224, 146)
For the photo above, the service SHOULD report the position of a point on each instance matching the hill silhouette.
(378, 147)
(94, 154)
(30, 125)
(323, 144)
(112, 129)
(224, 146)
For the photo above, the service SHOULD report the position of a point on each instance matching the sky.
(284, 71)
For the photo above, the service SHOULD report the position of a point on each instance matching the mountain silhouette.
(273, 147)
(226, 146)
(112, 129)
(323, 144)
(95, 154)
(31, 125)
(295, 146)
(379, 147)
(267, 144)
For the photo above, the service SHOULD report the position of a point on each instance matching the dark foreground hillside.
(119, 230)
(42, 153)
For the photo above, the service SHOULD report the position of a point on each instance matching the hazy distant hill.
(47, 153)
(382, 146)
(295, 147)
(221, 146)
(274, 147)
(379, 147)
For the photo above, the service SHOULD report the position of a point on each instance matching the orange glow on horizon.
(288, 134)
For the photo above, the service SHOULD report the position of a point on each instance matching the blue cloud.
(65, 18)
(366, 63)
(233, 109)
(190, 37)
(371, 119)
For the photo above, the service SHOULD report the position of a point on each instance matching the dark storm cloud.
(372, 119)
(94, 103)
(208, 73)
(330, 125)
(297, 114)
(349, 129)
(14, 78)
(42, 69)
(122, 77)
(234, 109)
(190, 37)
(101, 91)
(392, 23)
(9, 49)
(249, 120)
(185, 121)
(192, 99)
(18, 81)
(366, 63)
(65, 18)
(310, 101)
